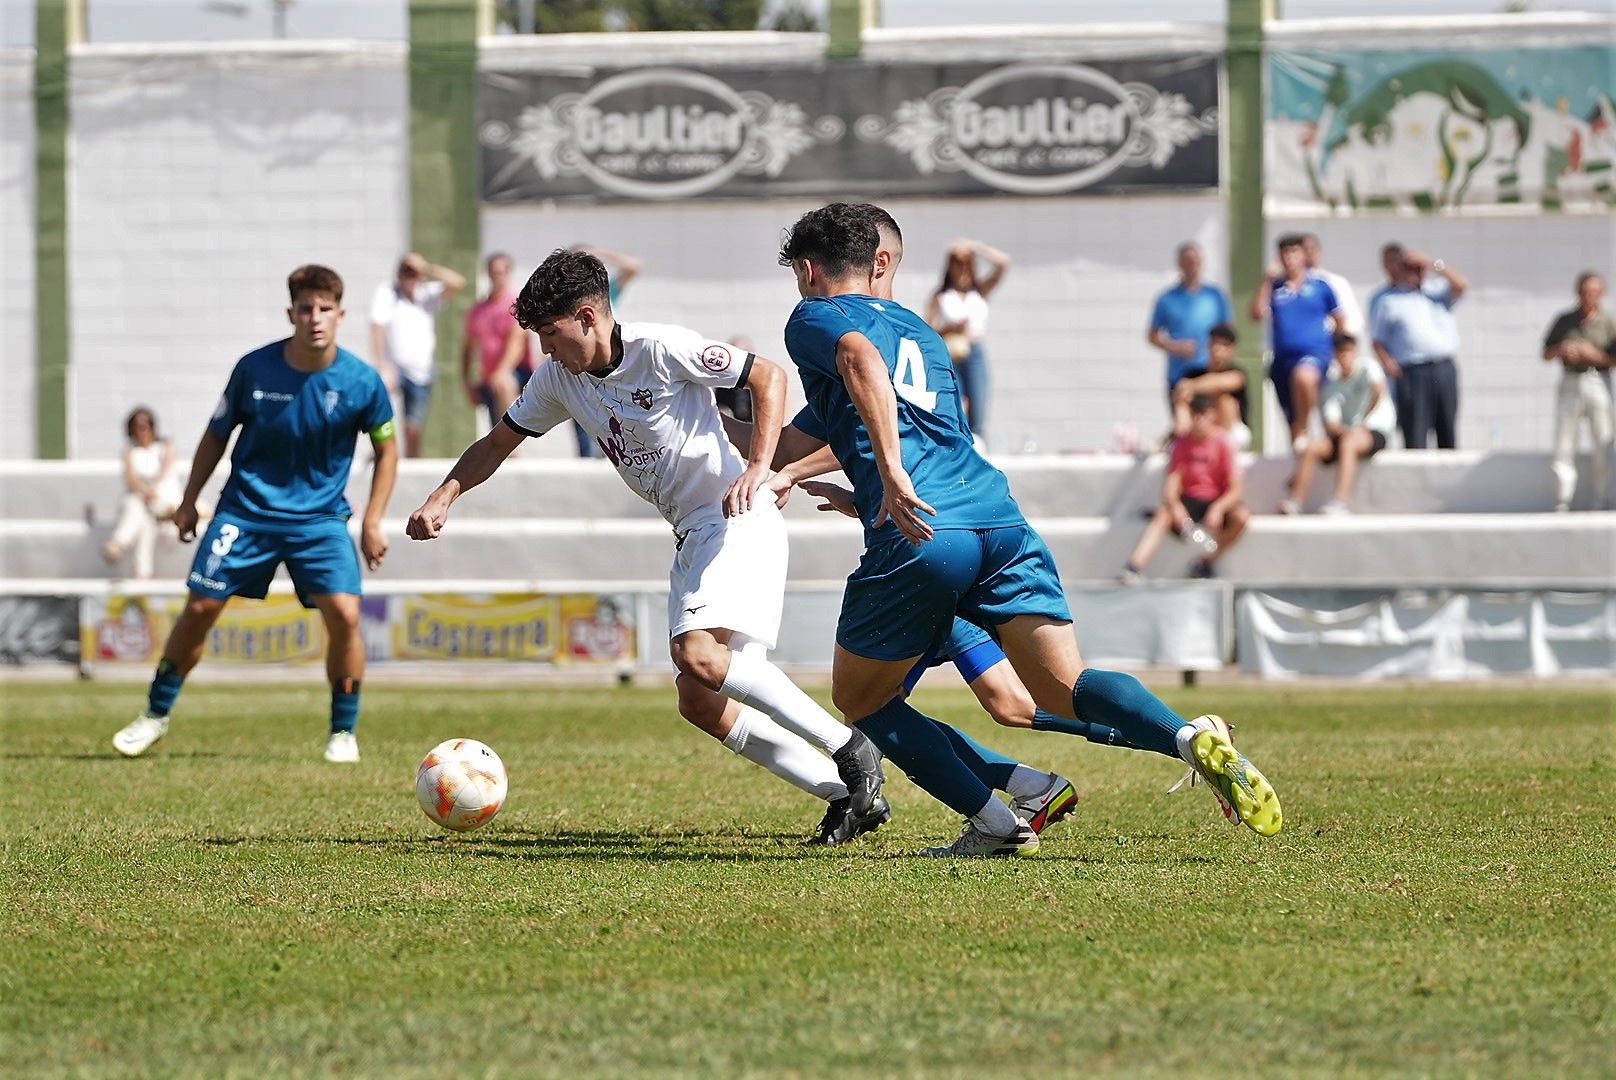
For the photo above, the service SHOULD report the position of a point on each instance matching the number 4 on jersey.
(909, 376)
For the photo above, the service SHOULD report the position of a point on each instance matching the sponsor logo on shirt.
(619, 453)
(271, 395)
(715, 358)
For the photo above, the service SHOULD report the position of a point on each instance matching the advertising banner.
(449, 626)
(275, 630)
(1047, 128)
(1442, 129)
(39, 628)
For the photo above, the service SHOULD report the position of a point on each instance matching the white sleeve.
(538, 408)
(702, 361)
(431, 295)
(381, 306)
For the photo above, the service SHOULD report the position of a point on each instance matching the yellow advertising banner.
(599, 629)
(275, 630)
(450, 626)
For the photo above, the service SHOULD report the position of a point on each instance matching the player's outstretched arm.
(767, 381)
(870, 386)
(208, 452)
(383, 474)
(480, 461)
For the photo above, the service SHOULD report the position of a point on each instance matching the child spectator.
(151, 493)
(1358, 418)
(1221, 381)
(1201, 496)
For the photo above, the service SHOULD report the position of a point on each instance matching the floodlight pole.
(58, 26)
(445, 195)
(1244, 63)
(846, 21)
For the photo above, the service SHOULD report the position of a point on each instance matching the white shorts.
(731, 575)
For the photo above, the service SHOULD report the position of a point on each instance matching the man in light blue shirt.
(1416, 338)
(1182, 321)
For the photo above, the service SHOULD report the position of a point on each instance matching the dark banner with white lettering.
(1046, 128)
(39, 628)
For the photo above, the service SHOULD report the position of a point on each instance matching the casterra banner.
(1047, 128)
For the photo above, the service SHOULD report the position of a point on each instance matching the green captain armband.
(382, 431)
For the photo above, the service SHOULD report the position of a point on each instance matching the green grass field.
(1442, 902)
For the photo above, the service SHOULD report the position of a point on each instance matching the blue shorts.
(234, 558)
(417, 400)
(901, 601)
(1280, 373)
(971, 648)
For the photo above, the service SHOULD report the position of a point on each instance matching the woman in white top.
(959, 312)
(151, 494)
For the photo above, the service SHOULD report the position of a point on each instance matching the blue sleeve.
(813, 332)
(1331, 301)
(380, 409)
(1440, 290)
(227, 414)
(807, 423)
(1158, 314)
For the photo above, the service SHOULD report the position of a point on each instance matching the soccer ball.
(461, 784)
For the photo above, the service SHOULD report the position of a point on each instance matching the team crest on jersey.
(715, 358)
(331, 399)
(642, 397)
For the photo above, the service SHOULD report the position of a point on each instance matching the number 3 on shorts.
(227, 536)
(909, 377)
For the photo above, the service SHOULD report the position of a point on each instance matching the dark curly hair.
(562, 282)
(842, 238)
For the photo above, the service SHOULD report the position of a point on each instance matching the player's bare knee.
(700, 705)
(702, 658)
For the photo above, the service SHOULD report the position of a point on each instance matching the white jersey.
(1346, 301)
(653, 415)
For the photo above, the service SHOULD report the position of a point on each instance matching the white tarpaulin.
(1426, 634)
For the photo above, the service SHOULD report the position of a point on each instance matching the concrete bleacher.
(1424, 518)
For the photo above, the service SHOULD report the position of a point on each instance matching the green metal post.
(53, 34)
(846, 21)
(1243, 68)
(445, 220)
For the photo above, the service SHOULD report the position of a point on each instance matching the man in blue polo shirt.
(1416, 337)
(1304, 308)
(1182, 321)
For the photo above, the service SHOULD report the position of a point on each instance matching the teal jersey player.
(300, 404)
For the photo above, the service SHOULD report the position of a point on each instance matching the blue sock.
(165, 689)
(345, 705)
(1116, 699)
(988, 766)
(916, 746)
(1094, 733)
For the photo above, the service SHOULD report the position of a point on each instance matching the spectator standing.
(1346, 297)
(1202, 496)
(1358, 420)
(1391, 262)
(1223, 382)
(1303, 306)
(495, 359)
(1417, 338)
(1181, 322)
(620, 270)
(1583, 340)
(151, 494)
(959, 312)
(404, 336)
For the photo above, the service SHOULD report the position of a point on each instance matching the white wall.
(17, 267)
(1066, 342)
(1521, 271)
(200, 180)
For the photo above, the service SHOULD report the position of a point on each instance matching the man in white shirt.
(404, 336)
(1351, 318)
(1358, 416)
(644, 393)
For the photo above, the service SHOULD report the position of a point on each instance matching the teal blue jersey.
(298, 432)
(935, 441)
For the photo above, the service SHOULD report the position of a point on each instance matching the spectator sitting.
(1201, 496)
(1583, 340)
(1358, 419)
(495, 359)
(1416, 337)
(1182, 322)
(1221, 381)
(1301, 303)
(959, 312)
(151, 494)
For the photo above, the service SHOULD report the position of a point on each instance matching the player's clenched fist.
(427, 522)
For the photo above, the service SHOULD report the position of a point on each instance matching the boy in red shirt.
(1201, 496)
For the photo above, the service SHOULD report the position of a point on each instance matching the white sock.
(1026, 781)
(1186, 735)
(763, 742)
(753, 681)
(995, 819)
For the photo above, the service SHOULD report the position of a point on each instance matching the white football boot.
(342, 748)
(140, 735)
